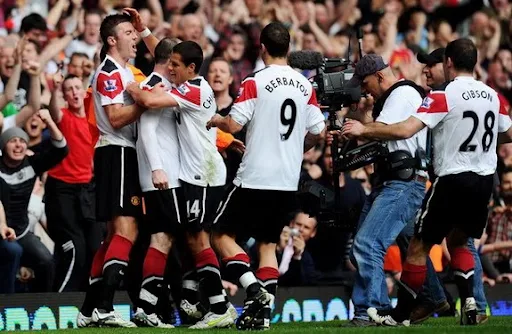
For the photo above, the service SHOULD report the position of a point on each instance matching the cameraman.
(396, 196)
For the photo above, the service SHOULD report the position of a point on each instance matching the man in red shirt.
(70, 196)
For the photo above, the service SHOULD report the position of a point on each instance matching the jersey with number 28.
(466, 117)
(279, 106)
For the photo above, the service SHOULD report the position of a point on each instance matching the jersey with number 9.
(278, 105)
(466, 116)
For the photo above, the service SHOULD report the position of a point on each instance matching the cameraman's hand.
(330, 136)
(298, 246)
(352, 128)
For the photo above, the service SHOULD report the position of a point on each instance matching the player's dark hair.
(31, 22)
(224, 61)
(163, 50)
(463, 54)
(276, 39)
(191, 53)
(109, 24)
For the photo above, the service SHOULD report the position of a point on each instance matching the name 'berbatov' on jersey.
(466, 116)
(278, 105)
(109, 87)
(200, 162)
(157, 142)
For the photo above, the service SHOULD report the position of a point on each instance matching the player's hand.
(33, 68)
(158, 88)
(352, 128)
(7, 233)
(132, 88)
(238, 146)
(44, 115)
(159, 179)
(136, 19)
(298, 245)
(214, 121)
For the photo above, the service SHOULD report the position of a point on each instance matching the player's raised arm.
(149, 39)
(157, 98)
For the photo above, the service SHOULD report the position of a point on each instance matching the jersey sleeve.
(433, 109)
(188, 97)
(243, 108)
(315, 119)
(504, 121)
(110, 88)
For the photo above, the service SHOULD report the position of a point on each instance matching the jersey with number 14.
(466, 116)
(279, 106)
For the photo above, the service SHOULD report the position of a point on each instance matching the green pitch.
(437, 326)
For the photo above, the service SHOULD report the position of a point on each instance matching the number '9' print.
(290, 120)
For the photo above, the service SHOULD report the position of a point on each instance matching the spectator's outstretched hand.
(213, 122)
(33, 68)
(7, 233)
(136, 19)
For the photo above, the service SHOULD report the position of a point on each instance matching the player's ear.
(111, 40)
(192, 67)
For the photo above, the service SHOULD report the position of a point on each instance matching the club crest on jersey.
(183, 89)
(427, 102)
(110, 85)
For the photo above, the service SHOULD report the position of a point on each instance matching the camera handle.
(335, 156)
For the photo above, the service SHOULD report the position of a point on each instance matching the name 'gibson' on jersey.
(290, 82)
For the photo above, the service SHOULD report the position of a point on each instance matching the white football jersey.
(466, 117)
(279, 106)
(108, 87)
(200, 162)
(157, 142)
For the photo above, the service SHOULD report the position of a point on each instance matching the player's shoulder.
(151, 81)
(258, 73)
(108, 66)
(442, 87)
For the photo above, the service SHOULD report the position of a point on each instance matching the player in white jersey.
(159, 164)
(278, 106)
(202, 170)
(466, 117)
(118, 200)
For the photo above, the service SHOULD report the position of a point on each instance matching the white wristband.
(145, 33)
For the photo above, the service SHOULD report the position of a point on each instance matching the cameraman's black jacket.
(383, 171)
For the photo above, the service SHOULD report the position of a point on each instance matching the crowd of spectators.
(62, 36)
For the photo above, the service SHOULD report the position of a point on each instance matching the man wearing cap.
(429, 305)
(394, 200)
(20, 171)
